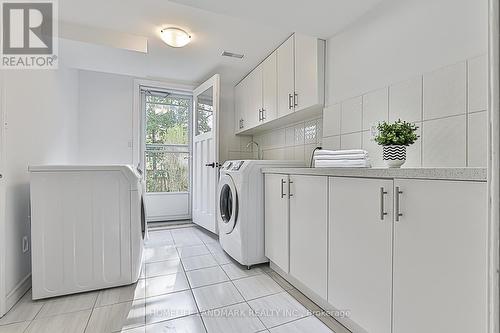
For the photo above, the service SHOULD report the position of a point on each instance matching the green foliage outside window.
(167, 143)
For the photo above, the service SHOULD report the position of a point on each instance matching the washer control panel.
(232, 165)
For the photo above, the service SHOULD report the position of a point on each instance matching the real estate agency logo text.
(28, 37)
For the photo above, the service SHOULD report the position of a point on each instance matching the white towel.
(340, 152)
(341, 157)
(342, 164)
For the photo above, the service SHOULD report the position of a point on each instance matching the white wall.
(105, 118)
(420, 60)
(40, 128)
(401, 39)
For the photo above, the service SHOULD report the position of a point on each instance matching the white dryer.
(87, 228)
(240, 208)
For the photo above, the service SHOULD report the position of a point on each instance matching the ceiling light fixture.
(175, 37)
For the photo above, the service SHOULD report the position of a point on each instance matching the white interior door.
(206, 153)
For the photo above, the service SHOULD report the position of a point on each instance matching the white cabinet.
(269, 88)
(360, 251)
(309, 72)
(276, 217)
(403, 256)
(291, 79)
(286, 77)
(308, 231)
(239, 106)
(254, 97)
(440, 257)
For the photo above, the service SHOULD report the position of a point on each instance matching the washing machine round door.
(228, 204)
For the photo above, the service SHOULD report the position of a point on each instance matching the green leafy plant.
(400, 133)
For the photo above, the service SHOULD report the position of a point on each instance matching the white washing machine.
(87, 228)
(240, 208)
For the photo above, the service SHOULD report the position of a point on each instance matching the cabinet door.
(276, 220)
(360, 251)
(308, 231)
(269, 87)
(254, 97)
(440, 257)
(285, 59)
(309, 72)
(239, 102)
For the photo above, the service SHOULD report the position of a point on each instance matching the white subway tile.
(331, 142)
(310, 131)
(331, 120)
(375, 108)
(414, 152)
(319, 130)
(299, 153)
(299, 134)
(478, 140)
(290, 136)
(373, 149)
(444, 142)
(351, 141)
(351, 115)
(405, 100)
(445, 92)
(478, 84)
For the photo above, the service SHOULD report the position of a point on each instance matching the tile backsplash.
(293, 142)
(448, 105)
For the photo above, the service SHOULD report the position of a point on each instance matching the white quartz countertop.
(469, 174)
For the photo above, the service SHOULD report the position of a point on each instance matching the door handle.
(290, 188)
(397, 203)
(213, 164)
(263, 114)
(382, 209)
(290, 102)
(260, 114)
(295, 99)
(282, 188)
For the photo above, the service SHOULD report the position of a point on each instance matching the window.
(204, 112)
(167, 141)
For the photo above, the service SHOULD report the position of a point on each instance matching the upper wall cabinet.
(290, 80)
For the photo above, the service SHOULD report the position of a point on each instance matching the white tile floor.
(188, 285)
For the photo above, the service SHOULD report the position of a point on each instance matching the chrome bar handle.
(282, 188)
(396, 204)
(290, 102)
(263, 114)
(382, 208)
(295, 99)
(290, 188)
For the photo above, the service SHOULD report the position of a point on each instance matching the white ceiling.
(253, 28)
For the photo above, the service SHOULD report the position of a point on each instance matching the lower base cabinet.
(400, 255)
(308, 231)
(360, 254)
(440, 257)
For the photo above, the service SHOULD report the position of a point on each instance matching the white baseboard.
(15, 295)
(323, 303)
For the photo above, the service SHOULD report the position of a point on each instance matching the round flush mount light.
(175, 37)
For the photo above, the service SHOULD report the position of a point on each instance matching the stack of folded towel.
(355, 158)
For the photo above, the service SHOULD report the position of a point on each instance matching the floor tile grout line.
(194, 298)
(91, 312)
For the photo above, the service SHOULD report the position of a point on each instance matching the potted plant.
(395, 137)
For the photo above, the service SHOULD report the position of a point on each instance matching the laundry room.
(228, 166)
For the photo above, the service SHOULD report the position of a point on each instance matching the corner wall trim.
(17, 293)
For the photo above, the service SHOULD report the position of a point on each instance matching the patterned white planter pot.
(394, 156)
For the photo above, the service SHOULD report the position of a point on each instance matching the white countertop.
(469, 174)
